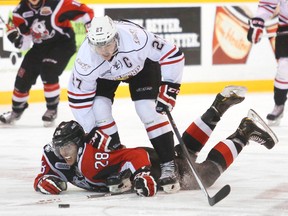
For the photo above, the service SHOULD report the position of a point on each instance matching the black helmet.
(68, 132)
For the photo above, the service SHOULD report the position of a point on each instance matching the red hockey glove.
(51, 185)
(167, 96)
(255, 30)
(145, 185)
(15, 37)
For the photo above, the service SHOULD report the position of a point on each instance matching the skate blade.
(273, 123)
(258, 120)
(48, 123)
(171, 188)
(238, 90)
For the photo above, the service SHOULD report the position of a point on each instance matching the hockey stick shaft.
(223, 192)
(6, 24)
(275, 34)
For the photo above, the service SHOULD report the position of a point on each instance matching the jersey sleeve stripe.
(171, 51)
(173, 62)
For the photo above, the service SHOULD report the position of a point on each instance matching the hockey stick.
(2, 20)
(223, 192)
(72, 199)
(275, 34)
(6, 24)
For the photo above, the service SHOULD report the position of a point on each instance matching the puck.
(64, 205)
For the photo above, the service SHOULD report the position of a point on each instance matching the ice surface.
(258, 177)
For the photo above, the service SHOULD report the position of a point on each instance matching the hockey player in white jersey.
(266, 10)
(121, 51)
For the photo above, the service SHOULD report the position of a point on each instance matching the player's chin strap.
(223, 192)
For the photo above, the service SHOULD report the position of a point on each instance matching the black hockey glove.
(167, 96)
(100, 189)
(255, 30)
(15, 37)
(145, 184)
(51, 185)
(119, 182)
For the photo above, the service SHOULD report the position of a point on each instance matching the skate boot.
(230, 96)
(49, 117)
(168, 179)
(275, 116)
(10, 117)
(253, 128)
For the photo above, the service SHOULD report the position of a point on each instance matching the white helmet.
(101, 31)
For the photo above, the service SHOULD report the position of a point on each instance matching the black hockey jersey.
(51, 21)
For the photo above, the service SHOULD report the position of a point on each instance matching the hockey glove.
(15, 37)
(104, 142)
(255, 30)
(145, 185)
(119, 182)
(51, 185)
(167, 96)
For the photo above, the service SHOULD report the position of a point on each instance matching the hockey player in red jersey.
(93, 162)
(267, 9)
(47, 23)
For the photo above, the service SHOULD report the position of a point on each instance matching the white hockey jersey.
(267, 9)
(134, 47)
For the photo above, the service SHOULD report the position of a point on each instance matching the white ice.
(258, 177)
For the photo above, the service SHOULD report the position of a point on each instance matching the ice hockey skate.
(49, 117)
(230, 96)
(168, 179)
(10, 117)
(275, 116)
(253, 128)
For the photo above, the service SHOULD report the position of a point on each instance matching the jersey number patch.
(101, 160)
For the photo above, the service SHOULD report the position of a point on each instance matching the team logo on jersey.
(63, 166)
(40, 32)
(117, 65)
(45, 11)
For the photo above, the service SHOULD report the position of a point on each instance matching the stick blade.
(221, 194)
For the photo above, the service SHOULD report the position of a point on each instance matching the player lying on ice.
(92, 162)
